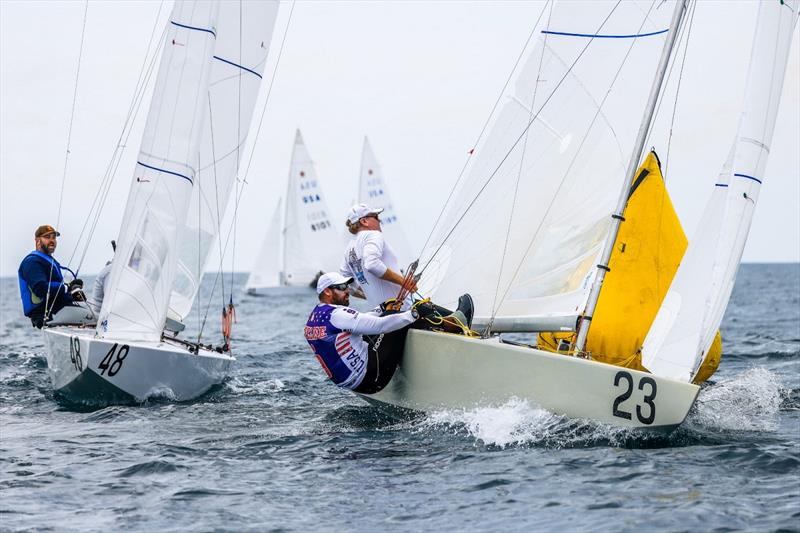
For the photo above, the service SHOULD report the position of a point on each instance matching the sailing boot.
(465, 309)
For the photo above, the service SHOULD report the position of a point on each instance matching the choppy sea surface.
(277, 447)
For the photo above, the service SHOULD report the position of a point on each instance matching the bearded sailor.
(358, 351)
(41, 283)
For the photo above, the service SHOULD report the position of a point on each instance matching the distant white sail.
(311, 242)
(374, 191)
(693, 308)
(528, 247)
(136, 300)
(266, 272)
(244, 31)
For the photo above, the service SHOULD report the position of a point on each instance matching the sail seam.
(600, 36)
(187, 178)
(238, 66)
(193, 28)
(747, 177)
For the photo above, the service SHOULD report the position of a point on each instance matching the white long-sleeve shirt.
(367, 257)
(335, 332)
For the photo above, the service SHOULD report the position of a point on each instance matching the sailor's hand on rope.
(77, 282)
(392, 305)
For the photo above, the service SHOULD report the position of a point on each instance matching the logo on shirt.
(356, 266)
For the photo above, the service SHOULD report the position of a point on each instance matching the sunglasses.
(340, 286)
(373, 216)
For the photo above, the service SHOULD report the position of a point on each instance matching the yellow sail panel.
(647, 252)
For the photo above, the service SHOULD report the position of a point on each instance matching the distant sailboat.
(535, 226)
(374, 191)
(211, 68)
(309, 242)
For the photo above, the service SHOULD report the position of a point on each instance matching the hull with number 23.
(444, 371)
(89, 370)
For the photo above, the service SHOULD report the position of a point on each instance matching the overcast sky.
(419, 78)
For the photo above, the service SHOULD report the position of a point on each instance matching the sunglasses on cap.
(340, 286)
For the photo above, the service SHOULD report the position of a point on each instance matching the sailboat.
(374, 191)
(309, 242)
(535, 228)
(212, 62)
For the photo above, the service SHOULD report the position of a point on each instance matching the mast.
(617, 218)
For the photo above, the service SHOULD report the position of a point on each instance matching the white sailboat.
(374, 191)
(535, 224)
(211, 68)
(309, 242)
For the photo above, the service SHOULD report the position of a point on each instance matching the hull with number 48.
(444, 371)
(85, 369)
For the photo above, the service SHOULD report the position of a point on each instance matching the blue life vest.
(31, 302)
(333, 349)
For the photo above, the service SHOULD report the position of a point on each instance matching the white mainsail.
(693, 308)
(266, 272)
(374, 191)
(311, 242)
(526, 245)
(244, 31)
(135, 307)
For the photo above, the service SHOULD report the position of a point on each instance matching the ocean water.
(277, 447)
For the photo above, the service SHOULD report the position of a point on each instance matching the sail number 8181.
(646, 415)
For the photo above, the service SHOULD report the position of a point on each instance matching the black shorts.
(382, 364)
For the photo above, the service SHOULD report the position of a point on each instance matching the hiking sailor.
(41, 284)
(336, 333)
(370, 260)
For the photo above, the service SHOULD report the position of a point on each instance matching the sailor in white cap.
(370, 260)
(335, 333)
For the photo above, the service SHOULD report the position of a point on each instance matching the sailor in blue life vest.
(41, 283)
(336, 334)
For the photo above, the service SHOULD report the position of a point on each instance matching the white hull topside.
(444, 371)
(100, 371)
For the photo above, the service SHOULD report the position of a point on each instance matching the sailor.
(41, 283)
(99, 288)
(370, 260)
(336, 334)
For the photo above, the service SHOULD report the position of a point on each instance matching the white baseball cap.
(359, 211)
(331, 278)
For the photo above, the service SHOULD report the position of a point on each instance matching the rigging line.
(269, 92)
(519, 176)
(238, 161)
(678, 90)
(219, 224)
(575, 157)
(47, 305)
(116, 159)
(139, 89)
(514, 144)
(485, 125)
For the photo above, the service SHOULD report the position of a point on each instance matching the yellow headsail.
(647, 252)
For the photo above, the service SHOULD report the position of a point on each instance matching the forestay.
(311, 242)
(374, 191)
(528, 247)
(136, 301)
(267, 268)
(693, 308)
(244, 31)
